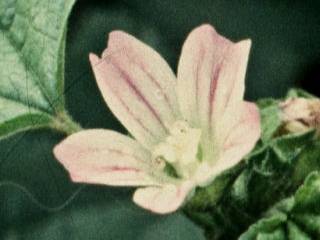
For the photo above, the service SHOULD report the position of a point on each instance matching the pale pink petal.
(138, 86)
(244, 135)
(162, 200)
(104, 157)
(199, 65)
(240, 141)
(228, 102)
(211, 75)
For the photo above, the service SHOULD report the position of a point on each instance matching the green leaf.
(288, 146)
(270, 118)
(297, 217)
(32, 41)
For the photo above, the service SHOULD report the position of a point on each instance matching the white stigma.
(180, 148)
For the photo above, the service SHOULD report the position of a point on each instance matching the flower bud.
(300, 114)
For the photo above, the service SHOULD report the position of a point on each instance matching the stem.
(64, 123)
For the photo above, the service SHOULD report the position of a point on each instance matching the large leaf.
(32, 39)
(295, 218)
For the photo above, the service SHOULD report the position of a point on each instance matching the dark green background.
(285, 52)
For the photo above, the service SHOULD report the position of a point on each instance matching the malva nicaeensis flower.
(300, 114)
(185, 130)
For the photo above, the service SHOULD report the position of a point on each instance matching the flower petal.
(138, 86)
(244, 135)
(104, 157)
(239, 143)
(211, 76)
(162, 200)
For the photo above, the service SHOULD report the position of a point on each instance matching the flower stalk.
(64, 123)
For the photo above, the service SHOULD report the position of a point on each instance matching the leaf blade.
(32, 42)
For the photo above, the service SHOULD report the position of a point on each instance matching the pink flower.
(197, 124)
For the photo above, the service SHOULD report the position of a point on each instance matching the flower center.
(180, 150)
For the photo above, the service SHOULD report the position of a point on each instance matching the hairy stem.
(65, 124)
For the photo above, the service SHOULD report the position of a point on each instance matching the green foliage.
(32, 40)
(297, 92)
(270, 118)
(293, 218)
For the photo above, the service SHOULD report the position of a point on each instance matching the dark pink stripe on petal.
(86, 150)
(213, 86)
(128, 80)
(133, 51)
(135, 117)
(123, 103)
(156, 83)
